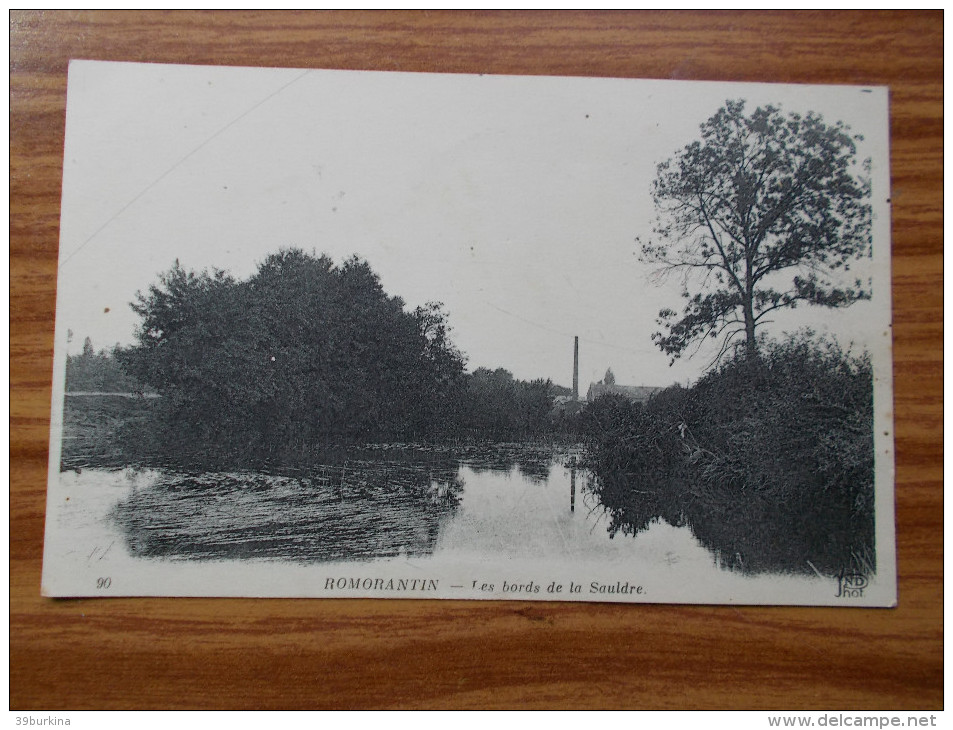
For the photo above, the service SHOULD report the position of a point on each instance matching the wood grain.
(185, 653)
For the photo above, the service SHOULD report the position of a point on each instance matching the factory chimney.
(575, 370)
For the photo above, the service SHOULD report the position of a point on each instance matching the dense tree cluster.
(97, 372)
(307, 352)
(304, 351)
(500, 405)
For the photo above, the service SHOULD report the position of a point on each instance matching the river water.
(525, 506)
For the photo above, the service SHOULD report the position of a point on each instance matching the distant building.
(635, 393)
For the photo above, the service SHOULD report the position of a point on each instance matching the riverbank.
(108, 429)
(116, 430)
(770, 461)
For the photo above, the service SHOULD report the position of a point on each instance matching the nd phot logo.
(851, 585)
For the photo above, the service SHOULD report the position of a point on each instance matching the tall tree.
(767, 211)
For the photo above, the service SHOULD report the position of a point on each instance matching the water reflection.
(476, 502)
(363, 503)
(534, 461)
(632, 507)
(359, 511)
(744, 532)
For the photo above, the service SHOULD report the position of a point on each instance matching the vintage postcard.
(389, 335)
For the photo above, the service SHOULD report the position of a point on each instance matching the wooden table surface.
(310, 654)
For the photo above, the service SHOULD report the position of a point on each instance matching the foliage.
(109, 431)
(97, 372)
(770, 461)
(500, 406)
(765, 211)
(303, 351)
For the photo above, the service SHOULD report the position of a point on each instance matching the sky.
(514, 201)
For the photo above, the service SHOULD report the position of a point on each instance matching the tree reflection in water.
(748, 533)
(376, 501)
(356, 511)
(533, 461)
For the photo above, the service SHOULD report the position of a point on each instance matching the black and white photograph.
(341, 334)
